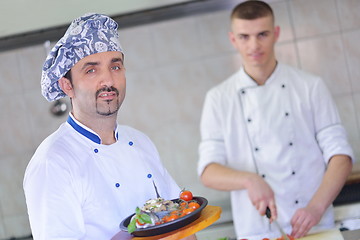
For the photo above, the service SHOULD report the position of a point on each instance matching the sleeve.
(52, 202)
(212, 146)
(330, 133)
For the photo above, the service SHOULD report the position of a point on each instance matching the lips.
(107, 96)
(107, 93)
(256, 55)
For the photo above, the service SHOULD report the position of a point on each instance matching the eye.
(90, 70)
(243, 37)
(116, 68)
(263, 35)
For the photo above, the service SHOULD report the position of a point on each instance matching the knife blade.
(157, 193)
(268, 215)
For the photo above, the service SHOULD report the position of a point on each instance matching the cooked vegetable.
(140, 219)
(186, 195)
(157, 211)
(193, 205)
(158, 205)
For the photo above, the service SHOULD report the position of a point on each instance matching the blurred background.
(174, 52)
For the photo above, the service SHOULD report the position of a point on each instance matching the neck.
(260, 74)
(104, 126)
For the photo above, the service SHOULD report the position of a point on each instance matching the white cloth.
(76, 188)
(286, 130)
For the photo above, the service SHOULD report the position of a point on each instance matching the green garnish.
(142, 218)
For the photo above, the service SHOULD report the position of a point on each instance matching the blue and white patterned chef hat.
(88, 34)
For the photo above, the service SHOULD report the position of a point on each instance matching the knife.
(157, 193)
(268, 215)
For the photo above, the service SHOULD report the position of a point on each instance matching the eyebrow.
(247, 34)
(114, 60)
(117, 60)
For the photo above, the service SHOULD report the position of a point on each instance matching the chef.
(271, 135)
(91, 173)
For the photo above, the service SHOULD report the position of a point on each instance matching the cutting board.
(326, 235)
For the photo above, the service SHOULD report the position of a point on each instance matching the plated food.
(159, 216)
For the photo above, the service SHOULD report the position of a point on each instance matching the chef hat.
(88, 34)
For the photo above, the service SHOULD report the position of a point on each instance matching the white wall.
(170, 66)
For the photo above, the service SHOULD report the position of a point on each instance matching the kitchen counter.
(351, 235)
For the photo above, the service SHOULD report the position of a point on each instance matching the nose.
(107, 79)
(254, 44)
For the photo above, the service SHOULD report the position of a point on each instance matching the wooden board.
(208, 216)
(326, 235)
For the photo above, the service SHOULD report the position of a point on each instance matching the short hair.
(252, 9)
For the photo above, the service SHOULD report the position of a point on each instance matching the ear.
(66, 86)
(232, 38)
(277, 33)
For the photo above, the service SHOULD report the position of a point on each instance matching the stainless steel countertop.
(351, 235)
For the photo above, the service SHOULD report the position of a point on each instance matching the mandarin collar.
(87, 132)
(245, 81)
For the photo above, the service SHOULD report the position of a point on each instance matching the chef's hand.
(303, 220)
(261, 195)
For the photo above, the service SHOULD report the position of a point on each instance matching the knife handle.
(268, 213)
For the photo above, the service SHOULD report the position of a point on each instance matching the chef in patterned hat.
(271, 134)
(91, 173)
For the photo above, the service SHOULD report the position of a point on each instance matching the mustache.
(107, 89)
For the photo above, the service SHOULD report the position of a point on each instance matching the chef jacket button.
(263, 176)
(286, 114)
(256, 149)
(131, 143)
(243, 91)
(290, 143)
(249, 120)
(117, 185)
(283, 86)
(96, 150)
(293, 173)
(296, 201)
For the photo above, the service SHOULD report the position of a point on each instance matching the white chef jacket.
(78, 188)
(285, 130)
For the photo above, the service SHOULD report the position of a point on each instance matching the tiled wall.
(170, 66)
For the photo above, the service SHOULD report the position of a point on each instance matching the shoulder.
(297, 74)
(61, 139)
(58, 147)
(300, 80)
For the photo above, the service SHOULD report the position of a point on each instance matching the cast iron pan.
(169, 226)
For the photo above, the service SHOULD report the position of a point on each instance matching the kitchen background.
(170, 65)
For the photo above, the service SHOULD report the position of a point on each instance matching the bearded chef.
(271, 134)
(91, 173)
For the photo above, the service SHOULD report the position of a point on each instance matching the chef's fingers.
(262, 208)
(273, 210)
(296, 222)
(302, 229)
(301, 223)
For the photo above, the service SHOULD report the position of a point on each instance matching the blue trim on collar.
(93, 137)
